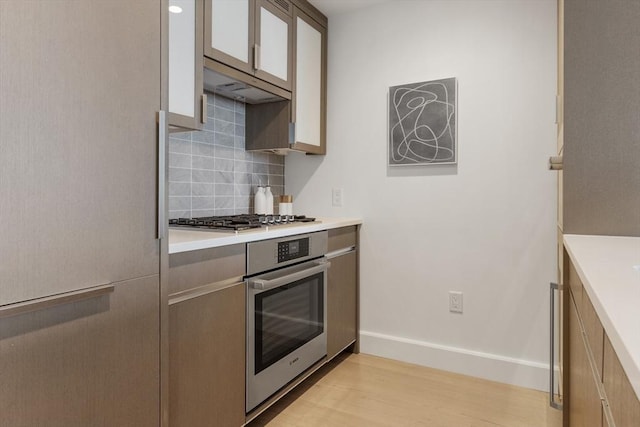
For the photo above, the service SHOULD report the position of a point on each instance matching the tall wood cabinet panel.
(89, 363)
(253, 36)
(79, 95)
(207, 359)
(601, 126)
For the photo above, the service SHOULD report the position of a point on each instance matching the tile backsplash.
(210, 173)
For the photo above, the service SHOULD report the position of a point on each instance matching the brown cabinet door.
(207, 359)
(341, 303)
(623, 402)
(89, 363)
(585, 406)
(80, 84)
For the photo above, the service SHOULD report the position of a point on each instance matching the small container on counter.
(269, 200)
(260, 201)
(286, 205)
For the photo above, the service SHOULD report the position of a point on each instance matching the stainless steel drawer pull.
(54, 300)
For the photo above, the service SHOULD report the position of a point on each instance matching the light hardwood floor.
(363, 390)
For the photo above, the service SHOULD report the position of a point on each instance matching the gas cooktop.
(237, 222)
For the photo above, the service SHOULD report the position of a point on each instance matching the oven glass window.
(286, 318)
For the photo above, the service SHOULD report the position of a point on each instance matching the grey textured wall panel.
(602, 117)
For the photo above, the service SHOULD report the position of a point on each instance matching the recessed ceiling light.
(175, 9)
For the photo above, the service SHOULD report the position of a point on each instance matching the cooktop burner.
(237, 222)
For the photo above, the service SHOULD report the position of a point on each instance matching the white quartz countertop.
(183, 240)
(605, 265)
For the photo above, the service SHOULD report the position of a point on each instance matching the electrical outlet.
(337, 196)
(455, 302)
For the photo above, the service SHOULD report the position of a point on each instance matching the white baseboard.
(493, 367)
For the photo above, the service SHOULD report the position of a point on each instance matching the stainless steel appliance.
(286, 311)
(236, 223)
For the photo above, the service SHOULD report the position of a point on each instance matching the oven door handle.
(264, 285)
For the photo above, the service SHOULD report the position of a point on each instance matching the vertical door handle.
(552, 320)
(162, 174)
(203, 100)
(256, 56)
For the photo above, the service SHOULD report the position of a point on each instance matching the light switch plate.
(455, 302)
(337, 197)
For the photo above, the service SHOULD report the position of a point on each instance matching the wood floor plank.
(362, 390)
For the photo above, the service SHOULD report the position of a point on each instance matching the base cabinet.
(89, 363)
(585, 408)
(600, 393)
(207, 359)
(623, 402)
(342, 291)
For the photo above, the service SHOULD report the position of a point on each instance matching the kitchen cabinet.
(600, 393)
(187, 101)
(299, 124)
(253, 36)
(79, 178)
(207, 337)
(93, 362)
(309, 101)
(625, 406)
(601, 127)
(585, 407)
(207, 359)
(342, 290)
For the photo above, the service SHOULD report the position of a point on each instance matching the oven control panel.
(293, 249)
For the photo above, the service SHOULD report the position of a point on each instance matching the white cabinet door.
(309, 93)
(274, 41)
(185, 64)
(230, 28)
(229, 32)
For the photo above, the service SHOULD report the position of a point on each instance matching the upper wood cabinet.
(301, 123)
(254, 36)
(309, 106)
(187, 102)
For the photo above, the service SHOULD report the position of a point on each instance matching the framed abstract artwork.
(422, 123)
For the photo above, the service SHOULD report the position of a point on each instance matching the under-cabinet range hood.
(231, 83)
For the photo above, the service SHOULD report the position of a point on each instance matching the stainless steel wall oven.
(286, 311)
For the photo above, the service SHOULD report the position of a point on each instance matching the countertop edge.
(192, 240)
(620, 343)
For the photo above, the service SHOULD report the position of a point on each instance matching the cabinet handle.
(340, 252)
(552, 322)
(162, 162)
(54, 300)
(256, 56)
(203, 119)
(555, 163)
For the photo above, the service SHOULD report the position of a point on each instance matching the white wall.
(485, 227)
